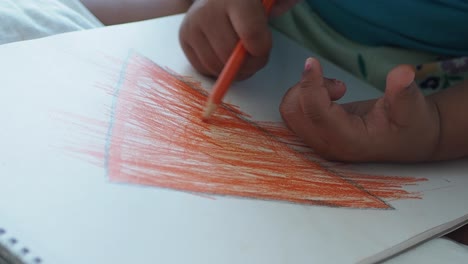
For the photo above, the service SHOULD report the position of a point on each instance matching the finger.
(190, 53)
(291, 108)
(292, 97)
(305, 108)
(402, 95)
(251, 25)
(295, 120)
(222, 41)
(315, 101)
(322, 124)
(193, 58)
(198, 50)
(207, 56)
(336, 88)
(311, 134)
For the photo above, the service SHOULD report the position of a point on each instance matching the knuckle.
(287, 111)
(308, 83)
(310, 113)
(313, 116)
(257, 40)
(312, 110)
(251, 33)
(253, 65)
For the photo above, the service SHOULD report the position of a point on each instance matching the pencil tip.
(208, 111)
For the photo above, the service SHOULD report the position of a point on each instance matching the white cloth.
(30, 19)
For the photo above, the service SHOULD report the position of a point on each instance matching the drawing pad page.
(60, 96)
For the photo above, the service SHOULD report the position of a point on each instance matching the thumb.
(402, 95)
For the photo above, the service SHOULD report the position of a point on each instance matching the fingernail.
(307, 67)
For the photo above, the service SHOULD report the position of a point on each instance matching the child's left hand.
(401, 126)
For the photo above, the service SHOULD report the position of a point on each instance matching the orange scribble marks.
(384, 187)
(156, 138)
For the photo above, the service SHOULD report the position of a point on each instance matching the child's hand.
(212, 28)
(401, 126)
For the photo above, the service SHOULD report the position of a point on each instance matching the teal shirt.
(437, 26)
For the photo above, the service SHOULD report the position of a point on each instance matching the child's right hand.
(212, 28)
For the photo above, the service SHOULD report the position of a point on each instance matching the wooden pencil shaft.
(229, 73)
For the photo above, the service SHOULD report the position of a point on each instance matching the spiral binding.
(13, 252)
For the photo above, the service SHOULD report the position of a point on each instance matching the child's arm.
(401, 126)
(122, 11)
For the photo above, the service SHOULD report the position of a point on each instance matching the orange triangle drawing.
(156, 138)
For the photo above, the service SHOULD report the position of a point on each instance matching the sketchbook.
(103, 159)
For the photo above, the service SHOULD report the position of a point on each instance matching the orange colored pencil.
(229, 72)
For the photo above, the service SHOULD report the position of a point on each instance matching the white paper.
(67, 211)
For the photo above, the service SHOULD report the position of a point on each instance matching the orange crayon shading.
(156, 138)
